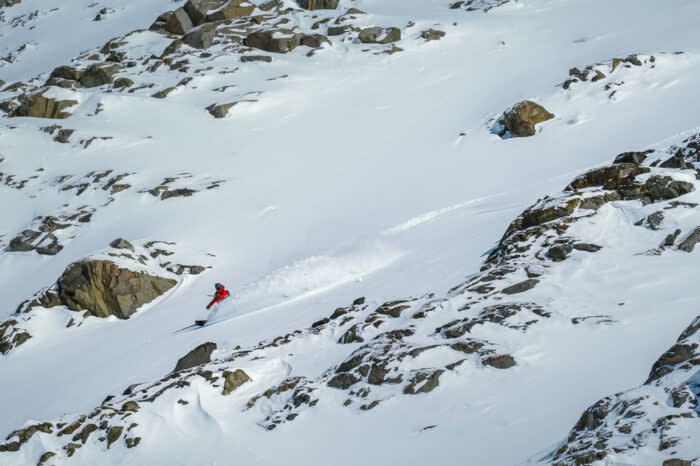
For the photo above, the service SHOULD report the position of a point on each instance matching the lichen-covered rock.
(233, 9)
(99, 74)
(103, 288)
(39, 106)
(520, 120)
(179, 22)
(233, 380)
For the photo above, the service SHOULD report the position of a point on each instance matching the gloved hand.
(208, 306)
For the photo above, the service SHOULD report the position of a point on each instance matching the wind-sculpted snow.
(414, 346)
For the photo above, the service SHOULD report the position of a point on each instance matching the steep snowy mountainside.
(307, 154)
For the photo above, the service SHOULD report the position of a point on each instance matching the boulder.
(200, 38)
(273, 40)
(432, 34)
(24, 241)
(121, 243)
(520, 120)
(99, 74)
(314, 40)
(503, 361)
(318, 4)
(379, 35)
(113, 434)
(198, 356)
(103, 288)
(123, 82)
(631, 157)
(233, 380)
(179, 22)
(559, 252)
(233, 9)
(64, 72)
(39, 106)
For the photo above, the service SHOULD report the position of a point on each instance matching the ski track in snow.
(432, 215)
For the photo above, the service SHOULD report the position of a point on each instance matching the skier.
(221, 294)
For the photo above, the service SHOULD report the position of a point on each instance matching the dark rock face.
(343, 381)
(423, 381)
(198, 356)
(677, 161)
(559, 252)
(200, 38)
(504, 361)
(631, 157)
(677, 354)
(103, 288)
(379, 35)
(689, 243)
(11, 336)
(521, 287)
(318, 4)
(43, 242)
(520, 120)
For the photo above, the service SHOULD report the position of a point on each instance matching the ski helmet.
(218, 286)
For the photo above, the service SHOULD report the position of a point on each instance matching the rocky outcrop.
(520, 120)
(198, 356)
(11, 336)
(649, 418)
(197, 12)
(103, 288)
(39, 106)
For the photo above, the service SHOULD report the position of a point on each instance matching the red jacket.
(219, 296)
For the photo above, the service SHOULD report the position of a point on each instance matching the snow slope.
(350, 174)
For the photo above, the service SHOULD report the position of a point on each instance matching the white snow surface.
(356, 175)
